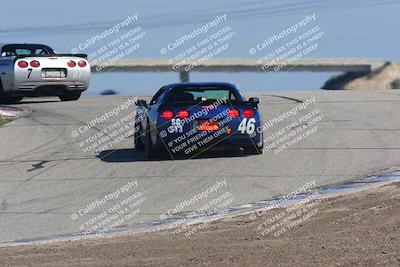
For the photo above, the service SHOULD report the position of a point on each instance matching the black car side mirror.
(254, 100)
(141, 103)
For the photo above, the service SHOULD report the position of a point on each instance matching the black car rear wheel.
(138, 138)
(253, 150)
(149, 150)
(256, 148)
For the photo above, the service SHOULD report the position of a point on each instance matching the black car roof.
(201, 84)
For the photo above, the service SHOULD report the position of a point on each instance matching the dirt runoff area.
(360, 228)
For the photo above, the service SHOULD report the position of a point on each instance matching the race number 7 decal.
(247, 126)
(29, 73)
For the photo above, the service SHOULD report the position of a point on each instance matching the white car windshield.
(25, 50)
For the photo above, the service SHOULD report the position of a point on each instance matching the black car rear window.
(190, 94)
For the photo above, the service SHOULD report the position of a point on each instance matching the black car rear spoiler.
(203, 103)
(53, 55)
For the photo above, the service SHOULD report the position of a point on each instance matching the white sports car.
(29, 70)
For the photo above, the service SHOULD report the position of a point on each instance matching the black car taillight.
(183, 114)
(167, 114)
(248, 113)
(233, 113)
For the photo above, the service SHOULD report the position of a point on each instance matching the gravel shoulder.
(361, 228)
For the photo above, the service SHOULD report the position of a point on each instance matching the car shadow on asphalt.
(27, 102)
(36, 102)
(133, 155)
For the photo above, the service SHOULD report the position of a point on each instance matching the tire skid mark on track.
(37, 149)
(288, 98)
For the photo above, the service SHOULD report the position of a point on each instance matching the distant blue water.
(148, 83)
(353, 29)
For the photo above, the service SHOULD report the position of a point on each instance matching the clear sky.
(352, 29)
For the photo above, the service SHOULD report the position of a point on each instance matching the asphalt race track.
(46, 178)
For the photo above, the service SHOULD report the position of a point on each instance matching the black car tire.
(256, 148)
(149, 150)
(253, 150)
(138, 138)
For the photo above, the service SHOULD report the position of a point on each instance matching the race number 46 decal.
(247, 126)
